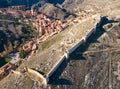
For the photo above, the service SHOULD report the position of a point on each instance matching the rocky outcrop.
(47, 27)
(71, 5)
(58, 9)
(53, 11)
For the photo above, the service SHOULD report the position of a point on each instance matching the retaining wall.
(90, 33)
(76, 46)
(56, 66)
(82, 41)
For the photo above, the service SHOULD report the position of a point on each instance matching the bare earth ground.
(98, 68)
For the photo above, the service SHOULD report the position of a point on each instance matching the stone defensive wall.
(54, 61)
(66, 55)
(45, 79)
(55, 66)
(70, 41)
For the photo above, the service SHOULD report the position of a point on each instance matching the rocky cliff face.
(53, 11)
(71, 5)
(58, 9)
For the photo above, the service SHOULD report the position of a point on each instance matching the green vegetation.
(29, 31)
(50, 42)
(4, 60)
(22, 54)
(20, 62)
(8, 59)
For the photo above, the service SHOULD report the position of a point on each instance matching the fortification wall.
(76, 46)
(82, 41)
(56, 66)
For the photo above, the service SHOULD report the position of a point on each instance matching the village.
(43, 25)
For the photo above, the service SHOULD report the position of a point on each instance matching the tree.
(22, 54)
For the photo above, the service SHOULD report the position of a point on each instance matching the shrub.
(8, 59)
(22, 54)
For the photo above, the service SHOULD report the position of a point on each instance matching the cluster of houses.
(30, 47)
(46, 27)
(82, 16)
(6, 69)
